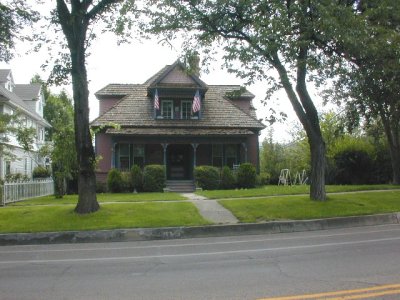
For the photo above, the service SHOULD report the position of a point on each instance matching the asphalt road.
(358, 261)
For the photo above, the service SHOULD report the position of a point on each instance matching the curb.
(145, 234)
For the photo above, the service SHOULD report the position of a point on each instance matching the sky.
(135, 63)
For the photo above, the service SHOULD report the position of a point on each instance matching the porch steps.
(180, 186)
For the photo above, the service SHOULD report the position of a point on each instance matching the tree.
(259, 36)
(14, 16)
(75, 18)
(366, 36)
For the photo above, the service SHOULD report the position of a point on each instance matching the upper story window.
(167, 109)
(186, 109)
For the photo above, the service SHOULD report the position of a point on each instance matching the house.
(28, 101)
(176, 120)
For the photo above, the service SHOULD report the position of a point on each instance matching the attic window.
(167, 111)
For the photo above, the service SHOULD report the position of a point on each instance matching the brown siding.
(103, 149)
(106, 104)
(243, 104)
(253, 151)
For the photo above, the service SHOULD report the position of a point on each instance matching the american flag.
(156, 101)
(196, 106)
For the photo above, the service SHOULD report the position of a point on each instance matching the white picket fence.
(17, 191)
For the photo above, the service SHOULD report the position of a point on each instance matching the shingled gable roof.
(28, 92)
(135, 109)
(161, 77)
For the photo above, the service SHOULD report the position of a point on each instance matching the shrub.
(353, 167)
(207, 177)
(40, 172)
(114, 181)
(126, 182)
(264, 178)
(16, 177)
(101, 187)
(246, 176)
(154, 178)
(227, 179)
(137, 178)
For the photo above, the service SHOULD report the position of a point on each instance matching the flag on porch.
(196, 106)
(156, 101)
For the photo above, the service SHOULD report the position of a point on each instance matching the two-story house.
(28, 101)
(176, 120)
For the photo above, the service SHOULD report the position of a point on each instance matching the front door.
(179, 162)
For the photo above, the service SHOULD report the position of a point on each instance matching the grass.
(272, 190)
(301, 207)
(101, 198)
(110, 216)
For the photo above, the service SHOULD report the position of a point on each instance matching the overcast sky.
(136, 62)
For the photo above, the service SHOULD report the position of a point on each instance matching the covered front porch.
(179, 158)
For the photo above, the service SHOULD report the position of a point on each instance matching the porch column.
(113, 155)
(194, 154)
(165, 146)
(245, 151)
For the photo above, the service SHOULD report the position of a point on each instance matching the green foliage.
(207, 177)
(353, 167)
(40, 172)
(154, 178)
(264, 178)
(246, 176)
(228, 180)
(101, 187)
(16, 177)
(14, 17)
(114, 181)
(137, 177)
(126, 182)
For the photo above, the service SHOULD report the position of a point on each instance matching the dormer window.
(167, 109)
(186, 109)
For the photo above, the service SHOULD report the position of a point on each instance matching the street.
(240, 267)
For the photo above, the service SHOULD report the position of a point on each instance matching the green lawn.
(110, 216)
(271, 190)
(128, 197)
(301, 207)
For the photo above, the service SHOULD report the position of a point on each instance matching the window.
(138, 155)
(217, 155)
(8, 167)
(186, 109)
(124, 161)
(230, 155)
(25, 166)
(167, 109)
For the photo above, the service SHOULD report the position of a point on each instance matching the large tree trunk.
(308, 116)
(75, 25)
(393, 138)
(87, 201)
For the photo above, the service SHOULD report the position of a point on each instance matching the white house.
(28, 101)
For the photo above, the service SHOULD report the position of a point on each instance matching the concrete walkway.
(211, 210)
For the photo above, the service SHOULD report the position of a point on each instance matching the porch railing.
(20, 190)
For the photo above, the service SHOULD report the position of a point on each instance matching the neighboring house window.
(25, 166)
(124, 161)
(186, 109)
(8, 167)
(230, 155)
(217, 155)
(167, 109)
(138, 155)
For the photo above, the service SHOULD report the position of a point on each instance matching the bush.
(16, 177)
(137, 178)
(207, 177)
(353, 167)
(101, 187)
(264, 179)
(227, 179)
(114, 181)
(40, 172)
(126, 182)
(154, 178)
(246, 176)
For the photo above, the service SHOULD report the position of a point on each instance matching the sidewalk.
(211, 210)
